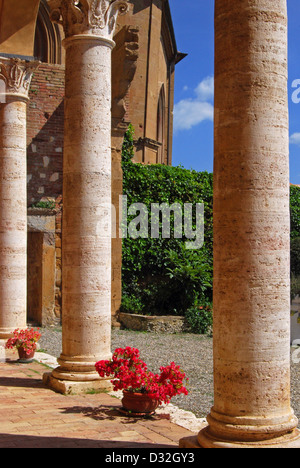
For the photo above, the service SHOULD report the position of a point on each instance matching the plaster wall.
(17, 26)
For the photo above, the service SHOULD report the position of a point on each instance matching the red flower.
(130, 373)
(26, 339)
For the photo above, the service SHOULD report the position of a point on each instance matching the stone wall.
(157, 324)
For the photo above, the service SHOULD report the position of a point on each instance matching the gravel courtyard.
(192, 352)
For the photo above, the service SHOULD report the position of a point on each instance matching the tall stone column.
(251, 231)
(86, 227)
(15, 78)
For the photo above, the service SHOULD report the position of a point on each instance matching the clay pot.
(139, 403)
(23, 357)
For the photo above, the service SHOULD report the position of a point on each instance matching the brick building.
(143, 67)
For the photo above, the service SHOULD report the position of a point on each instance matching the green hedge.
(161, 276)
(295, 211)
(295, 240)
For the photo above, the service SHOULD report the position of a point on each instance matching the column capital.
(16, 75)
(93, 17)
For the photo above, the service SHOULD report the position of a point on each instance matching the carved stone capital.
(16, 75)
(94, 17)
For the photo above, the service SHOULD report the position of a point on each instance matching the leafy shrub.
(295, 256)
(200, 319)
(295, 240)
(44, 204)
(295, 211)
(160, 276)
(295, 286)
(132, 304)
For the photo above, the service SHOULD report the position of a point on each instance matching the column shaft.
(86, 248)
(15, 78)
(86, 227)
(13, 219)
(251, 229)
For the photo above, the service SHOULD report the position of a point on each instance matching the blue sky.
(193, 121)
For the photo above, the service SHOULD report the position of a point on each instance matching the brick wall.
(45, 133)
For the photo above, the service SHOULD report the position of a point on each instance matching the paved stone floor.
(33, 416)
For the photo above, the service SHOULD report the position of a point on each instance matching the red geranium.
(26, 339)
(130, 373)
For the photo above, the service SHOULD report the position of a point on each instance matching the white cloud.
(205, 89)
(191, 112)
(188, 113)
(295, 139)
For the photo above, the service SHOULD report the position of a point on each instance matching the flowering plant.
(130, 373)
(26, 339)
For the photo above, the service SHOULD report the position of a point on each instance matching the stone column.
(86, 226)
(251, 231)
(15, 78)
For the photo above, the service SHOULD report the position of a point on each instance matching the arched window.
(161, 125)
(47, 45)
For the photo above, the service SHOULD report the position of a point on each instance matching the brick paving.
(33, 416)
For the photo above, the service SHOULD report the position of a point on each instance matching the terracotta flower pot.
(139, 403)
(24, 357)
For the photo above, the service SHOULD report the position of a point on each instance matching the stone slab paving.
(33, 416)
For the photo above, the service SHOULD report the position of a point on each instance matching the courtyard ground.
(33, 416)
(194, 353)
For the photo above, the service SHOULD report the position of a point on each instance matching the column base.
(77, 375)
(6, 333)
(69, 387)
(205, 440)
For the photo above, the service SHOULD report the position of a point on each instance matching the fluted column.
(15, 78)
(86, 228)
(251, 231)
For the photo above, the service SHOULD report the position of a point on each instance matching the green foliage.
(295, 240)
(161, 276)
(200, 319)
(132, 304)
(44, 204)
(127, 148)
(295, 286)
(295, 256)
(295, 211)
